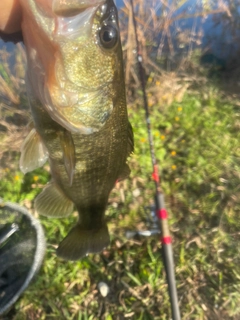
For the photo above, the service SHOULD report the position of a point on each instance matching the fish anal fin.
(52, 202)
(68, 149)
(33, 152)
(79, 242)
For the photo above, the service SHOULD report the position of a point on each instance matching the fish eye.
(108, 36)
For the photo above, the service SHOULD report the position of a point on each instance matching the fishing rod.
(160, 210)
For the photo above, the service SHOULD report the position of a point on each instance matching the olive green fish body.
(100, 157)
(100, 160)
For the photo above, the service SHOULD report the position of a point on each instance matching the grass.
(197, 145)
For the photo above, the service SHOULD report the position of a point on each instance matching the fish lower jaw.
(66, 9)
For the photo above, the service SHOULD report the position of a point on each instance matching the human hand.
(10, 20)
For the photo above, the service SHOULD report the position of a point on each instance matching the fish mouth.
(62, 17)
(74, 19)
(65, 8)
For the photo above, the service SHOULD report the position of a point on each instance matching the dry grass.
(14, 111)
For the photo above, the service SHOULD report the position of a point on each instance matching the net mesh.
(22, 247)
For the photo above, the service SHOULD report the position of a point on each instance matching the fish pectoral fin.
(52, 202)
(124, 173)
(130, 146)
(79, 242)
(68, 149)
(33, 152)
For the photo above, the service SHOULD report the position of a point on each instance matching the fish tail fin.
(81, 241)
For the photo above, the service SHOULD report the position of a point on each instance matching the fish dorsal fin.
(52, 202)
(68, 150)
(33, 152)
(130, 147)
(125, 172)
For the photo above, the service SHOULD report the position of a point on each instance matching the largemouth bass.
(76, 50)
